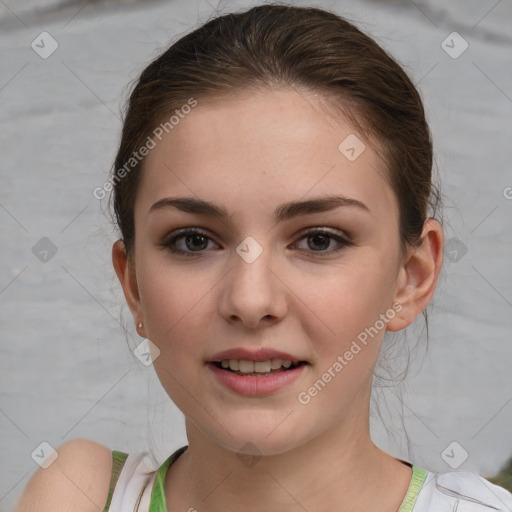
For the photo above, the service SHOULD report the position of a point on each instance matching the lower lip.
(256, 386)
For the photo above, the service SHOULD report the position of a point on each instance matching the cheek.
(177, 303)
(343, 319)
(177, 311)
(345, 301)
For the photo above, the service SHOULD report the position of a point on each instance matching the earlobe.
(417, 280)
(126, 276)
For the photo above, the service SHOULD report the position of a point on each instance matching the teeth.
(276, 364)
(262, 366)
(245, 366)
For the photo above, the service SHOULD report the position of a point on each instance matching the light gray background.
(66, 369)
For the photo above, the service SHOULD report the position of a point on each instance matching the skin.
(249, 154)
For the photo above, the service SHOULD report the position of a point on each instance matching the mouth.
(265, 368)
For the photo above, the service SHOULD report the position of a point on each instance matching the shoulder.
(78, 479)
(462, 491)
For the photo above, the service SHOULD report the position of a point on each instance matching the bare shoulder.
(77, 480)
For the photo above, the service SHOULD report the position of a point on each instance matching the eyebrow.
(285, 211)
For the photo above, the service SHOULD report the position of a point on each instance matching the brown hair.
(282, 45)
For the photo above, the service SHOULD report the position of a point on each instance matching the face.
(308, 282)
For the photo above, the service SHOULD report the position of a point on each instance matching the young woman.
(274, 197)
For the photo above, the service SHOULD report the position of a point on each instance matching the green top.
(158, 502)
(418, 477)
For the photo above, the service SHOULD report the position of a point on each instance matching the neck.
(340, 470)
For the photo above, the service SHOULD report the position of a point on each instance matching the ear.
(126, 275)
(418, 276)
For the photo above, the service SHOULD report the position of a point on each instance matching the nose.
(254, 292)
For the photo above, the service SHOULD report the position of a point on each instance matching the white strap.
(146, 494)
(131, 484)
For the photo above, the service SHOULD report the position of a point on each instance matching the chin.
(250, 439)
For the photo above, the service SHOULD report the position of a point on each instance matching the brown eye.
(320, 240)
(195, 242)
(187, 242)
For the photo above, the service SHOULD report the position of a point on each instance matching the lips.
(252, 385)
(262, 354)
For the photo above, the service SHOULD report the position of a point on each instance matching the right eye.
(188, 242)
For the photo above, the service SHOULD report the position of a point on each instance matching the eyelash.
(170, 241)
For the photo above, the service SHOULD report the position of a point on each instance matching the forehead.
(262, 146)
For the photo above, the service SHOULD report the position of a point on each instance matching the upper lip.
(262, 354)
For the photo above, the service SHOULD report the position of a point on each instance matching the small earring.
(139, 325)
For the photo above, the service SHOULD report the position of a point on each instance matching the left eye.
(320, 240)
